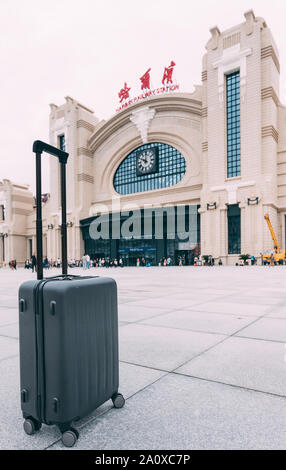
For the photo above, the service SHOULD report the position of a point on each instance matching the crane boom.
(276, 244)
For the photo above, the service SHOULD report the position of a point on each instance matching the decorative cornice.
(85, 124)
(232, 58)
(142, 118)
(205, 146)
(204, 112)
(175, 102)
(268, 51)
(84, 151)
(230, 41)
(85, 177)
(60, 114)
(269, 92)
(24, 199)
(19, 211)
(270, 131)
(155, 192)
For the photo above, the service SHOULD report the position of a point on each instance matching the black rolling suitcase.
(68, 337)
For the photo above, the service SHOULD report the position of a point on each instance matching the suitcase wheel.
(31, 426)
(70, 437)
(118, 400)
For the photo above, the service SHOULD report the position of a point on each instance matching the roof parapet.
(250, 18)
(215, 32)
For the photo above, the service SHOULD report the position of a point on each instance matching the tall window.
(233, 124)
(62, 142)
(234, 232)
(2, 212)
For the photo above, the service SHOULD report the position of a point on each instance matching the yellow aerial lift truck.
(278, 254)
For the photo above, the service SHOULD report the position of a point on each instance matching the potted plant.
(245, 258)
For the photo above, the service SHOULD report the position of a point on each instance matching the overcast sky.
(87, 49)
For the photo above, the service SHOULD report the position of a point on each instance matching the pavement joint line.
(261, 339)
(213, 298)
(247, 389)
(145, 367)
(224, 339)
(276, 318)
(238, 315)
(241, 387)
(111, 408)
(226, 313)
(270, 309)
(155, 316)
(8, 336)
(15, 307)
(181, 329)
(8, 324)
(184, 309)
(8, 357)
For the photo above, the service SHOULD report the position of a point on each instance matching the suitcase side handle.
(38, 148)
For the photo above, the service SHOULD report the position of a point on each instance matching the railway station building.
(209, 163)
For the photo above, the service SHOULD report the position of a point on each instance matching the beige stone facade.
(193, 123)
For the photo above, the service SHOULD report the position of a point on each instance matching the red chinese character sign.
(168, 73)
(168, 87)
(145, 80)
(124, 93)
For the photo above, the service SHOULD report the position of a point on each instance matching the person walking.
(34, 263)
(87, 261)
(84, 261)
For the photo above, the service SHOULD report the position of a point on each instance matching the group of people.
(107, 262)
(167, 261)
(47, 264)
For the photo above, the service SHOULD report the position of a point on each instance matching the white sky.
(87, 49)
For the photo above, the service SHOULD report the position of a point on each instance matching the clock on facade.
(147, 161)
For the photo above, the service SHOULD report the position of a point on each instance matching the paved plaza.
(202, 362)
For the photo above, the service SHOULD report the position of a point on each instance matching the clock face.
(147, 162)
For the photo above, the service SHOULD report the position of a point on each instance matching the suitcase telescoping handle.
(38, 148)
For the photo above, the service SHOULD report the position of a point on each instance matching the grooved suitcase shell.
(80, 339)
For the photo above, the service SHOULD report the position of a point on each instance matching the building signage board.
(168, 86)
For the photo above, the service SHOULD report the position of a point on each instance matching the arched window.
(150, 166)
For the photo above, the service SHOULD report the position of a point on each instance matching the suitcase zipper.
(40, 356)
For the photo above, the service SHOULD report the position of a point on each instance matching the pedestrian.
(87, 261)
(138, 262)
(84, 261)
(34, 263)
